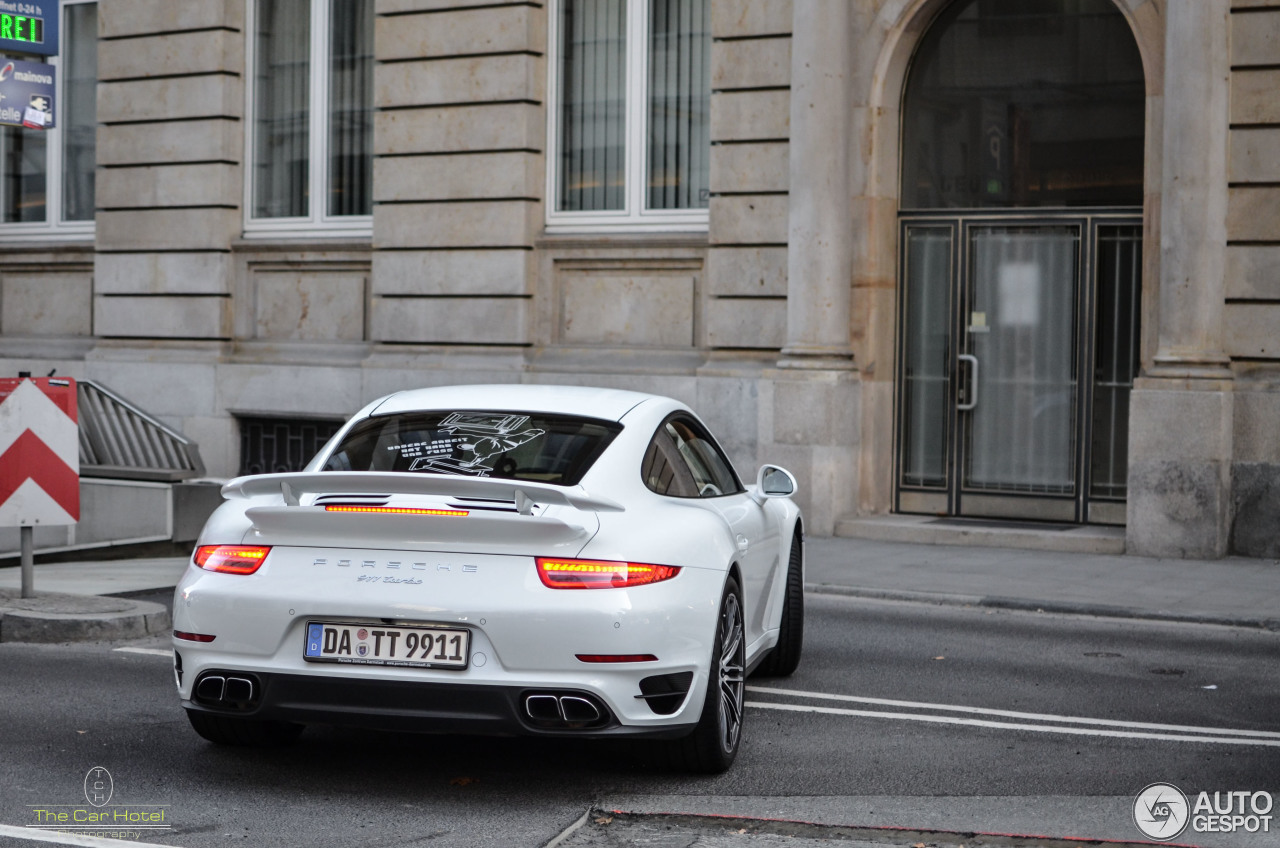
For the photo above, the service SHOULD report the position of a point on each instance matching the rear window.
(554, 449)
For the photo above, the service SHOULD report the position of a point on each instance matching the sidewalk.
(1233, 591)
(74, 600)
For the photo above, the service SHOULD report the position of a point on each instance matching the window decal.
(474, 443)
(501, 444)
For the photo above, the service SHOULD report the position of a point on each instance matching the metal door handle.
(973, 383)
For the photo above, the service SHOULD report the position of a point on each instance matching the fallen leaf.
(463, 781)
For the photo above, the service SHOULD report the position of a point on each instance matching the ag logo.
(98, 786)
(1160, 811)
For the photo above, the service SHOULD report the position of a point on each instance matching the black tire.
(243, 732)
(713, 744)
(784, 658)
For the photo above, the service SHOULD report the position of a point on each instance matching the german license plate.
(376, 644)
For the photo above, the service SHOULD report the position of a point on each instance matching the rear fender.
(683, 534)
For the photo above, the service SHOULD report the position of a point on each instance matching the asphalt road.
(935, 706)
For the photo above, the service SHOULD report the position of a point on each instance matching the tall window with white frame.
(629, 133)
(311, 118)
(47, 176)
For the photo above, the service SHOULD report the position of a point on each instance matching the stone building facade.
(778, 300)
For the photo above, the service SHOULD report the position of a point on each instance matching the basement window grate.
(276, 445)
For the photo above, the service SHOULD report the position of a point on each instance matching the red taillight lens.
(600, 574)
(231, 559)
(395, 510)
(615, 658)
(193, 637)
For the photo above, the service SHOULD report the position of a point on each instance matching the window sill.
(562, 227)
(355, 230)
(20, 237)
(649, 239)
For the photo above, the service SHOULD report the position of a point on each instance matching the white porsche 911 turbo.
(514, 559)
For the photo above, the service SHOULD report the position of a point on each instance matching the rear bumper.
(524, 636)
(419, 707)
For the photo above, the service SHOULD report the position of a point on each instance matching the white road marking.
(76, 839)
(1101, 722)
(1002, 725)
(155, 652)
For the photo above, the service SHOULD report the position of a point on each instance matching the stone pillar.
(811, 404)
(1193, 223)
(1181, 412)
(457, 172)
(819, 238)
(169, 180)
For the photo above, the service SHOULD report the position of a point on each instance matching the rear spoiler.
(523, 492)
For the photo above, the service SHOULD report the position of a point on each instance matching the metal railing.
(119, 440)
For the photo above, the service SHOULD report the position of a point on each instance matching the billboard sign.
(26, 94)
(29, 27)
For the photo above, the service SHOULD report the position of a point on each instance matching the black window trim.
(690, 420)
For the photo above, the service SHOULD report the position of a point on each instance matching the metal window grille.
(274, 445)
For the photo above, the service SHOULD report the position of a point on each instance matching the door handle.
(973, 383)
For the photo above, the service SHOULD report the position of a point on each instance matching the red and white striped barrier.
(39, 452)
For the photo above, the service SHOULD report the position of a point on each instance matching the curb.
(887, 835)
(1026, 605)
(142, 618)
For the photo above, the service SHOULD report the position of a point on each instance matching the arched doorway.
(1020, 261)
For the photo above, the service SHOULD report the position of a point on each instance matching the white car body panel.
(478, 571)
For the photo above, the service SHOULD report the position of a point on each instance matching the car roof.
(607, 404)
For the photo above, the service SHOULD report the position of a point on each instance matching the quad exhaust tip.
(562, 710)
(226, 691)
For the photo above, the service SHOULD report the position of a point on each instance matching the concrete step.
(986, 533)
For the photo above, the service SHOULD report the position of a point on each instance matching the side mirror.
(775, 482)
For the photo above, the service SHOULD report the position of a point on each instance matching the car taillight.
(600, 574)
(231, 559)
(395, 510)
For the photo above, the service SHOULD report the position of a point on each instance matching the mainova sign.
(26, 94)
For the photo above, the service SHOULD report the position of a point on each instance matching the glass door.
(999, 319)
(1018, 391)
